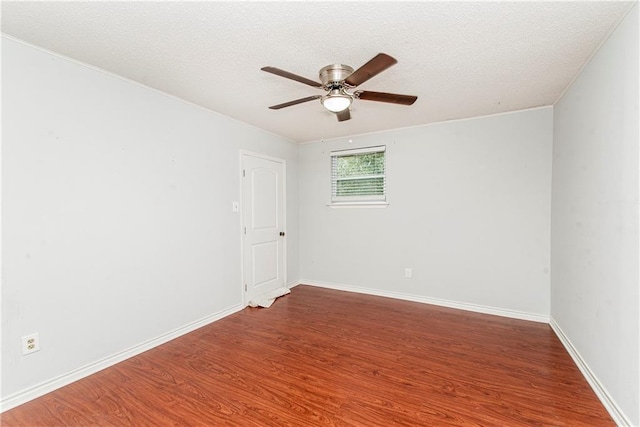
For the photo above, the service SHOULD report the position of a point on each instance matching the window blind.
(358, 175)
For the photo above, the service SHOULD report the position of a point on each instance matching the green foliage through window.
(359, 176)
(361, 164)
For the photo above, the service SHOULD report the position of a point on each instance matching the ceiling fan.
(338, 79)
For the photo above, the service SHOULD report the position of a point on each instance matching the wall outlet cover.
(30, 343)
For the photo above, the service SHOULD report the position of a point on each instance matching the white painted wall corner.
(607, 401)
(293, 284)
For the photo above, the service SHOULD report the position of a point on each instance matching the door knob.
(282, 233)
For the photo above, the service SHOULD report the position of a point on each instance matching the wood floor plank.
(321, 357)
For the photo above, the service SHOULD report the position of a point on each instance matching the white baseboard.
(607, 401)
(514, 314)
(293, 284)
(48, 386)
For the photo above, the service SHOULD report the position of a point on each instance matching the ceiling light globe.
(336, 102)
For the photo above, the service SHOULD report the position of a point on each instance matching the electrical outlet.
(408, 272)
(30, 343)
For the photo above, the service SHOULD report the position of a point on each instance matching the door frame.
(283, 162)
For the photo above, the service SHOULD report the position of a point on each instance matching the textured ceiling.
(462, 59)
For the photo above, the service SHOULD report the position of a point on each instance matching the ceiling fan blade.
(375, 66)
(295, 102)
(392, 98)
(343, 115)
(288, 75)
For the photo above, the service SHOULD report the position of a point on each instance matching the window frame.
(358, 200)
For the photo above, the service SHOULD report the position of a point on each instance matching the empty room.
(320, 213)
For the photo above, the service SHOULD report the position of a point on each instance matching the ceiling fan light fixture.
(336, 101)
(338, 79)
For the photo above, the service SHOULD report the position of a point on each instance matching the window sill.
(358, 205)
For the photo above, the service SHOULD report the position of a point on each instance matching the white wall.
(594, 227)
(468, 210)
(117, 219)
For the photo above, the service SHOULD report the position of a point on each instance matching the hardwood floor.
(323, 357)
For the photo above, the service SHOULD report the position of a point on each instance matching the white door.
(263, 209)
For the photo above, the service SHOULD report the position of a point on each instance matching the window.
(358, 175)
